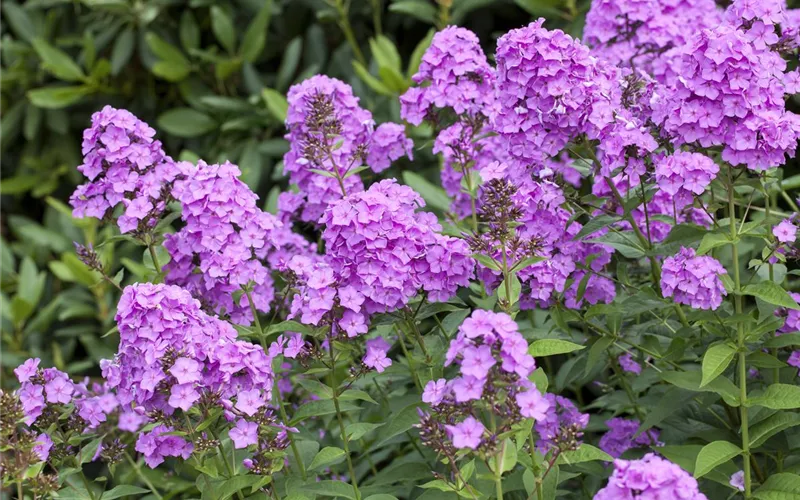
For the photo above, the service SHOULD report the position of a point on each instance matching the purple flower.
(685, 175)
(183, 396)
(375, 356)
(185, 370)
(387, 144)
(649, 477)
(59, 390)
(693, 280)
(477, 361)
(785, 231)
(467, 434)
(27, 369)
(737, 480)
(467, 388)
(532, 404)
(249, 402)
(244, 434)
(42, 446)
(628, 364)
(155, 446)
(563, 423)
(620, 437)
(435, 391)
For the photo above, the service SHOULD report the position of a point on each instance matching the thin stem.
(345, 442)
(776, 372)
(744, 425)
(376, 16)
(156, 264)
(256, 321)
(85, 484)
(141, 476)
(535, 469)
(347, 29)
(408, 358)
(498, 471)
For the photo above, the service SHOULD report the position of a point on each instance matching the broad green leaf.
(715, 361)
(778, 397)
(780, 486)
(714, 454)
(711, 241)
(123, 490)
(596, 351)
(370, 80)
(691, 381)
(337, 489)
(431, 193)
(256, 35)
(17, 18)
(515, 288)
(57, 97)
(58, 62)
(329, 455)
(760, 432)
(289, 63)
(276, 104)
(320, 408)
(223, 29)
(385, 53)
(585, 453)
(356, 395)
(398, 424)
(771, 292)
(419, 51)
(189, 32)
(783, 340)
(421, 9)
(122, 51)
(186, 122)
(359, 429)
(172, 65)
(551, 347)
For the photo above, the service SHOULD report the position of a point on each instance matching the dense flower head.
(768, 12)
(729, 93)
(693, 280)
(453, 73)
(124, 165)
(171, 353)
(380, 252)
(329, 131)
(562, 426)
(628, 364)
(685, 175)
(792, 321)
(158, 444)
(650, 477)
(621, 437)
(227, 238)
(387, 144)
(641, 33)
(40, 387)
(550, 90)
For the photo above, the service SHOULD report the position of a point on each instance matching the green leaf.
(320, 408)
(399, 423)
(186, 122)
(370, 80)
(123, 490)
(585, 453)
(780, 486)
(356, 395)
(551, 347)
(714, 454)
(276, 103)
(760, 432)
(57, 97)
(784, 340)
(515, 288)
(223, 29)
(420, 9)
(711, 241)
(598, 349)
(358, 430)
(329, 455)
(122, 51)
(715, 361)
(690, 381)
(432, 194)
(419, 51)
(778, 397)
(189, 32)
(289, 63)
(58, 62)
(256, 35)
(88, 451)
(18, 20)
(337, 489)
(385, 53)
(172, 65)
(771, 292)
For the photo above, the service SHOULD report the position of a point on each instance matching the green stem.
(156, 264)
(347, 29)
(776, 372)
(141, 476)
(408, 358)
(498, 471)
(85, 484)
(281, 404)
(535, 469)
(740, 344)
(345, 442)
(376, 16)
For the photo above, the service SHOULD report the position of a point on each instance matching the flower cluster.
(494, 365)
(685, 175)
(649, 477)
(621, 437)
(563, 425)
(693, 280)
(41, 386)
(380, 252)
(550, 90)
(226, 237)
(158, 443)
(642, 33)
(124, 165)
(172, 354)
(453, 73)
(329, 132)
(729, 93)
